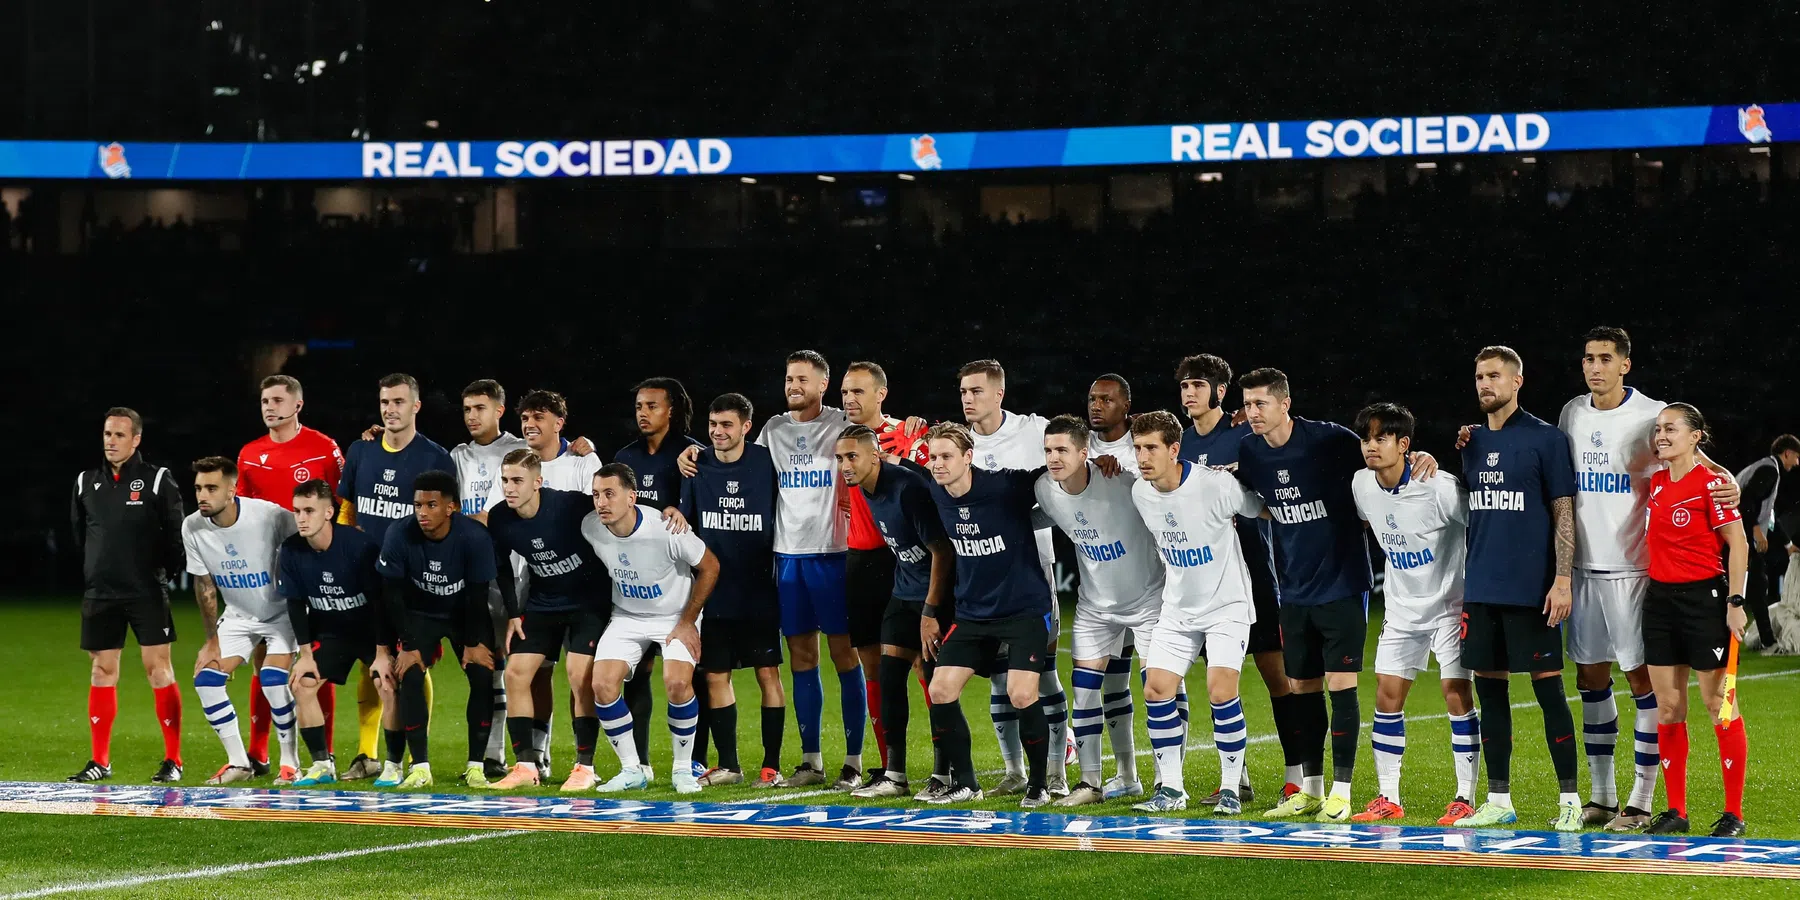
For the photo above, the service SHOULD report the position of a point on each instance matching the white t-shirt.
(1420, 525)
(1613, 463)
(569, 472)
(1019, 444)
(812, 515)
(478, 468)
(1120, 449)
(1120, 568)
(1196, 533)
(652, 569)
(241, 559)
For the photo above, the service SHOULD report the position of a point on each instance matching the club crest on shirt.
(1390, 521)
(230, 549)
(302, 475)
(1596, 440)
(648, 479)
(623, 560)
(989, 458)
(800, 443)
(325, 577)
(137, 484)
(1680, 518)
(882, 526)
(1200, 460)
(263, 458)
(1494, 458)
(1169, 519)
(1281, 475)
(481, 468)
(731, 487)
(387, 474)
(437, 565)
(964, 512)
(537, 543)
(1080, 517)
(1654, 491)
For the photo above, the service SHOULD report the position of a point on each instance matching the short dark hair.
(126, 412)
(733, 402)
(486, 387)
(524, 456)
(1161, 423)
(620, 471)
(1204, 367)
(1784, 444)
(989, 367)
(861, 434)
(813, 357)
(440, 481)
(397, 379)
(954, 433)
(681, 406)
(874, 369)
(1620, 340)
(1503, 353)
(1073, 426)
(544, 401)
(1273, 379)
(1124, 386)
(318, 487)
(287, 381)
(209, 464)
(1378, 419)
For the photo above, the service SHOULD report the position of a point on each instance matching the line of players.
(1185, 570)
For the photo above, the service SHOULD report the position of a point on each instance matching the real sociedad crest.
(1596, 440)
(989, 458)
(1753, 124)
(925, 154)
(623, 559)
(230, 549)
(1080, 517)
(1169, 518)
(800, 443)
(1391, 523)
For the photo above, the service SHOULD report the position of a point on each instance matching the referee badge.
(137, 484)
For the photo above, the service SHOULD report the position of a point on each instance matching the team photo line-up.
(924, 552)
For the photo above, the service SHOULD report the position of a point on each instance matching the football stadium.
(986, 450)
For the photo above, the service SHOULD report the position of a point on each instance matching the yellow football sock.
(368, 717)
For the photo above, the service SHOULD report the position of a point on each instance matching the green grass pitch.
(43, 737)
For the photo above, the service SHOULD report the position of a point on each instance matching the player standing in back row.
(1521, 486)
(1006, 440)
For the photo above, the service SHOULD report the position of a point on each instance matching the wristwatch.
(1736, 600)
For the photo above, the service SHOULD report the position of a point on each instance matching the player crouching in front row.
(660, 582)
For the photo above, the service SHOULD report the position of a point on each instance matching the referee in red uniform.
(1693, 610)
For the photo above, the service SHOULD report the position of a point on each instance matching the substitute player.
(899, 503)
(869, 565)
(231, 545)
(661, 581)
(1212, 439)
(478, 471)
(269, 468)
(1002, 607)
(1008, 440)
(1687, 624)
(730, 503)
(1521, 486)
(563, 609)
(327, 576)
(1420, 526)
(437, 569)
(1121, 587)
(126, 519)
(1206, 605)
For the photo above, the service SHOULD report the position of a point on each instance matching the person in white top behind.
(1420, 526)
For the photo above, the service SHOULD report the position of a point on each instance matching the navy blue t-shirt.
(1219, 447)
(658, 478)
(997, 570)
(1319, 551)
(378, 482)
(332, 592)
(438, 574)
(565, 573)
(731, 506)
(903, 512)
(1512, 476)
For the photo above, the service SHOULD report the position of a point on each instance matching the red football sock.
(103, 707)
(168, 717)
(259, 721)
(1672, 740)
(1734, 756)
(872, 690)
(328, 705)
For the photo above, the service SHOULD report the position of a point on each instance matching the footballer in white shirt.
(231, 545)
(1007, 440)
(1119, 598)
(661, 580)
(1207, 606)
(1420, 527)
(1109, 418)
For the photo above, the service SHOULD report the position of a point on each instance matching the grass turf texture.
(43, 737)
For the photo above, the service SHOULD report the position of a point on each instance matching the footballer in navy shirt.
(1521, 482)
(377, 480)
(663, 413)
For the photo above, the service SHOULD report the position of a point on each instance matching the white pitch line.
(213, 871)
(1207, 745)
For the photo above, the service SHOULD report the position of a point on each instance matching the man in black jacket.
(126, 516)
(1761, 481)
